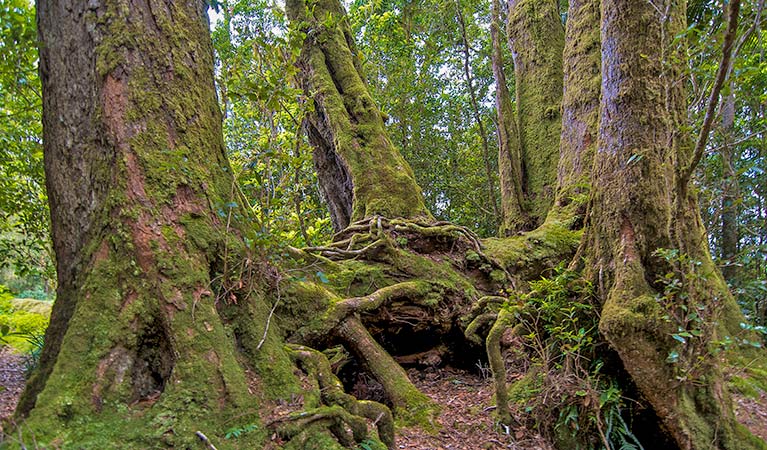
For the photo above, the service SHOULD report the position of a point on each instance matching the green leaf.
(322, 277)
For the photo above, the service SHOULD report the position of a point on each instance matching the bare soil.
(467, 420)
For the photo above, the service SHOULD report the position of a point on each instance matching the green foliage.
(21, 329)
(572, 399)
(234, 433)
(561, 321)
(263, 113)
(369, 444)
(24, 236)
(692, 320)
(412, 53)
(737, 151)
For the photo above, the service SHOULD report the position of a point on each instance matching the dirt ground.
(467, 421)
(11, 382)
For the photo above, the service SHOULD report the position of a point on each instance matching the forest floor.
(466, 398)
(752, 412)
(11, 381)
(467, 419)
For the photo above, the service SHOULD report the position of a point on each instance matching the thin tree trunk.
(730, 192)
(492, 196)
(509, 154)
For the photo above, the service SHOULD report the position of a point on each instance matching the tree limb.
(721, 76)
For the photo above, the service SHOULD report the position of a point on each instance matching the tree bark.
(580, 109)
(509, 153)
(638, 207)
(536, 37)
(155, 281)
(360, 171)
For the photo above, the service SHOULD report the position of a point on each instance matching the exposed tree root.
(332, 393)
(296, 425)
(483, 312)
(410, 404)
(425, 277)
(497, 365)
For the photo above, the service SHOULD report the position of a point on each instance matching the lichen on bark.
(536, 38)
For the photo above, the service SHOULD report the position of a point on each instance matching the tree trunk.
(638, 207)
(360, 171)
(536, 37)
(509, 154)
(156, 283)
(491, 195)
(580, 110)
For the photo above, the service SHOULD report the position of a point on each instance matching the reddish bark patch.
(128, 300)
(628, 241)
(102, 253)
(115, 101)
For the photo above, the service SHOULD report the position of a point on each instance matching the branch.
(205, 440)
(713, 101)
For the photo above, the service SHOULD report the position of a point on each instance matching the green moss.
(537, 38)
(746, 387)
(530, 254)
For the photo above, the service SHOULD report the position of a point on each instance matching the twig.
(205, 440)
(713, 101)
(269, 318)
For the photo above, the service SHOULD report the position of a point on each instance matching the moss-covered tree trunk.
(159, 333)
(536, 37)
(638, 206)
(360, 171)
(509, 151)
(580, 109)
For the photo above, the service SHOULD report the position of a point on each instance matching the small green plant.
(32, 358)
(234, 433)
(585, 406)
(368, 444)
(691, 320)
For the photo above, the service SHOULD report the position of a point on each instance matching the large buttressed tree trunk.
(135, 166)
(160, 329)
(360, 171)
(638, 207)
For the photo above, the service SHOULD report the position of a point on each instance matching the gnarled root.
(497, 364)
(410, 404)
(332, 393)
(483, 312)
(333, 417)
